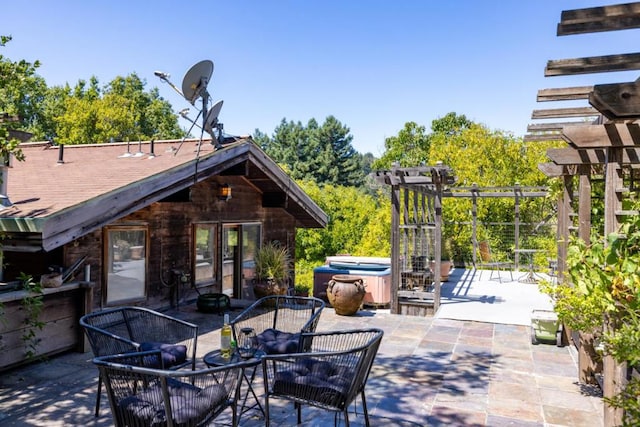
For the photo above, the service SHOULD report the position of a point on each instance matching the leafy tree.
(409, 148)
(451, 124)
(359, 224)
(321, 153)
(121, 111)
(20, 91)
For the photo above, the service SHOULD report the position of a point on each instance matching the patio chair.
(278, 321)
(143, 396)
(132, 329)
(329, 375)
(487, 260)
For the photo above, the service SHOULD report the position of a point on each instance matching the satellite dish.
(196, 80)
(211, 121)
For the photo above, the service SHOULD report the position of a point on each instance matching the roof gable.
(61, 193)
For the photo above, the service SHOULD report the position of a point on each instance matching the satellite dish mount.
(194, 86)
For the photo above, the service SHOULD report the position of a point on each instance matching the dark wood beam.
(617, 100)
(540, 137)
(552, 170)
(564, 93)
(593, 64)
(558, 113)
(597, 19)
(573, 156)
(601, 136)
(546, 127)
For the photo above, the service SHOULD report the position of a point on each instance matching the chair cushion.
(189, 403)
(273, 341)
(172, 354)
(315, 380)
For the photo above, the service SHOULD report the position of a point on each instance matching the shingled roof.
(60, 194)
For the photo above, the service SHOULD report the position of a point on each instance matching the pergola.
(606, 142)
(416, 231)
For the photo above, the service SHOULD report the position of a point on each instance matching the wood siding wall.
(170, 228)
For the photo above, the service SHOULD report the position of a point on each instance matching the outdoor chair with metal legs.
(330, 374)
(132, 329)
(143, 396)
(487, 260)
(278, 321)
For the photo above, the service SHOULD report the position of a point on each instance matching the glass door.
(239, 243)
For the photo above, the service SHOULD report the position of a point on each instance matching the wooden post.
(516, 225)
(474, 222)
(395, 249)
(614, 373)
(586, 363)
(564, 209)
(437, 178)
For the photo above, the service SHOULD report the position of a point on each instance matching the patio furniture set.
(147, 362)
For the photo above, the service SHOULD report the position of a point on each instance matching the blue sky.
(374, 65)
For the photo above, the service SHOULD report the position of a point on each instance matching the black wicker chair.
(329, 374)
(132, 329)
(142, 396)
(279, 320)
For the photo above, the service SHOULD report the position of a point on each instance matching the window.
(126, 253)
(204, 238)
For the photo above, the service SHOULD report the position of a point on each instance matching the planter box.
(62, 310)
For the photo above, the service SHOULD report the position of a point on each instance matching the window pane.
(204, 250)
(127, 264)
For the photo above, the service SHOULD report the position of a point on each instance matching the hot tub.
(375, 272)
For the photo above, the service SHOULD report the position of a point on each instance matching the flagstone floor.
(428, 372)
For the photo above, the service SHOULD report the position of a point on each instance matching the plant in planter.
(602, 297)
(273, 269)
(301, 290)
(32, 304)
(445, 262)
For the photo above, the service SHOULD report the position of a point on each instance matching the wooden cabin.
(139, 224)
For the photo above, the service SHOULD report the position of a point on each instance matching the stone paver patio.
(428, 372)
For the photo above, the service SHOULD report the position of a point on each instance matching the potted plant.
(273, 269)
(301, 290)
(445, 262)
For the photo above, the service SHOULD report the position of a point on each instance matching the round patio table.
(214, 358)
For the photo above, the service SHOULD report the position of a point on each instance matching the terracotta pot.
(445, 269)
(345, 293)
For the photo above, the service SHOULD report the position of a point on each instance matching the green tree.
(359, 224)
(321, 153)
(409, 148)
(20, 91)
(121, 111)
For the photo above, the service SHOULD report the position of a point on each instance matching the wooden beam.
(546, 127)
(617, 100)
(540, 137)
(511, 194)
(593, 64)
(597, 19)
(564, 94)
(573, 156)
(557, 113)
(552, 170)
(601, 136)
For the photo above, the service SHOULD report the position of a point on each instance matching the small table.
(530, 275)
(214, 358)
